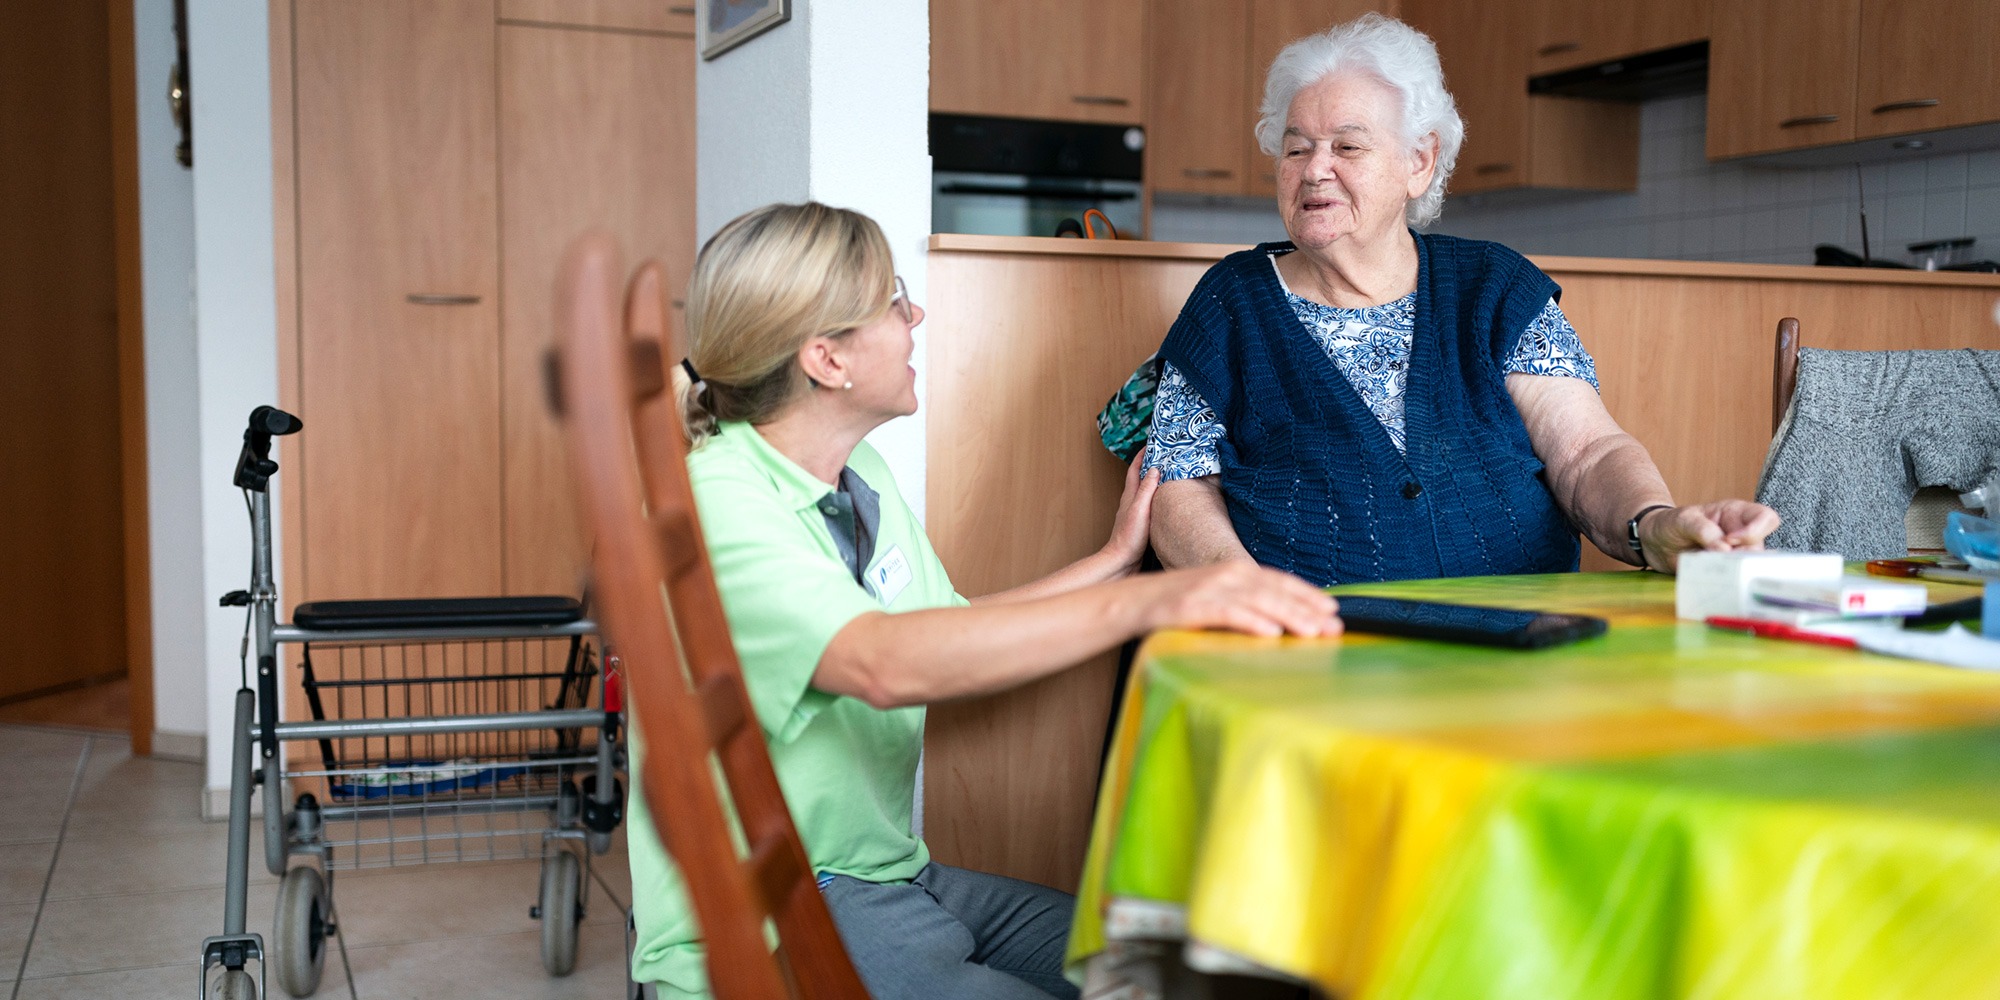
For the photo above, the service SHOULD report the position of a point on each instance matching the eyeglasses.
(901, 302)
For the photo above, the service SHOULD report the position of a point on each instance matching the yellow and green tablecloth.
(1664, 811)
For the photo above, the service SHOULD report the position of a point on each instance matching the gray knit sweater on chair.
(1866, 430)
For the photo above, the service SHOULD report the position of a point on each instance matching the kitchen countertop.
(1050, 246)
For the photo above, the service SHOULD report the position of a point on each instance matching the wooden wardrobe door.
(597, 132)
(399, 353)
(62, 591)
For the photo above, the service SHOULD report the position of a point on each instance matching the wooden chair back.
(683, 680)
(1784, 371)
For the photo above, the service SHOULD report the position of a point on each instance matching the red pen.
(1780, 630)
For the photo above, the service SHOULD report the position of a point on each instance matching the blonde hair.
(763, 285)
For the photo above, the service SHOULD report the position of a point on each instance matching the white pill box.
(1848, 596)
(1719, 583)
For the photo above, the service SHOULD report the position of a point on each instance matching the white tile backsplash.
(1687, 208)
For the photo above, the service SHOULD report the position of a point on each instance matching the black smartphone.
(1465, 623)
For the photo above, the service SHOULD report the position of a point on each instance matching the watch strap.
(1632, 532)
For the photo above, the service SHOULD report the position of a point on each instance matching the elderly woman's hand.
(1131, 528)
(1719, 526)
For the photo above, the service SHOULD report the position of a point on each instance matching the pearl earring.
(849, 385)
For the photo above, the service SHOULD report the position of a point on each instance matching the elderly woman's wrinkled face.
(1343, 169)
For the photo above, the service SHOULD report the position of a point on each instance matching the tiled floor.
(109, 881)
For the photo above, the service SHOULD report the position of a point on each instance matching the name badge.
(889, 575)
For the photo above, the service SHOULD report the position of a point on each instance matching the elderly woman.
(1366, 402)
(846, 624)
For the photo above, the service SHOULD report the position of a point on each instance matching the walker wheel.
(561, 881)
(235, 984)
(298, 942)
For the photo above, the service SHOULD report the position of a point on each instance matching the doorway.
(72, 595)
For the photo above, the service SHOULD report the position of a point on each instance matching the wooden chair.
(1784, 371)
(627, 447)
(1923, 522)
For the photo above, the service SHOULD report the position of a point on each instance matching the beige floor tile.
(437, 902)
(20, 742)
(37, 768)
(159, 982)
(24, 868)
(125, 795)
(32, 818)
(126, 932)
(96, 861)
(499, 967)
(15, 923)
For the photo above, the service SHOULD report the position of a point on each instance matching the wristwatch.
(1632, 532)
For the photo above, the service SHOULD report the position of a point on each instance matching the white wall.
(173, 486)
(832, 106)
(236, 344)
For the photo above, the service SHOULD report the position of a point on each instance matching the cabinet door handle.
(1104, 99)
(440, 299)
(1558, 48)
(1207, 173)
(1808, 120)
(683, 11)
(1493, 168)
(1926, 102)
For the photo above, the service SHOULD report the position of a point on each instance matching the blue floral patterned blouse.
(1371, 347)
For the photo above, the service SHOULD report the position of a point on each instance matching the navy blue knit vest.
(1313, 483)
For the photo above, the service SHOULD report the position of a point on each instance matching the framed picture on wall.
(724, 24)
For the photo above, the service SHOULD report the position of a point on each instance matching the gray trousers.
(953, 933)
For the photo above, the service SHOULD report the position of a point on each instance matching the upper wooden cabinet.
(1198, 137)
(1205, 77)
(1055, 59)
(620, 15)
(1275, 24)
(1781, 75)
(1572, 33)
(1484, 50)
(1926, 64)
(1793, 74)
(1512, 139)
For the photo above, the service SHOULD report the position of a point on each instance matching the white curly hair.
(1393, 52)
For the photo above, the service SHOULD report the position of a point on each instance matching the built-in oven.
(1018, 177)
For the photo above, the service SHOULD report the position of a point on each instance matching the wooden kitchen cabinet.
(399, 273)
(446, 154)
(1572, 33)
(1198, 137)
(609, 148)
(1781, 75)
(620, 15)
(1275, 24)
(1049, 59)
(1513, 139)
(1926, 64)
(1206, 66)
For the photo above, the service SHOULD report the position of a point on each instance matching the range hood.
(1673, 72)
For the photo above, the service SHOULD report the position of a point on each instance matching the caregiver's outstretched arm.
(924, 656)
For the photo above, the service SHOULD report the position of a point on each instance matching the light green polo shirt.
(848, 770)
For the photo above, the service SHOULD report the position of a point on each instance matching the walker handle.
(254, 467)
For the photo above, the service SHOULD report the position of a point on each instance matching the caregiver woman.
(846, 624)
